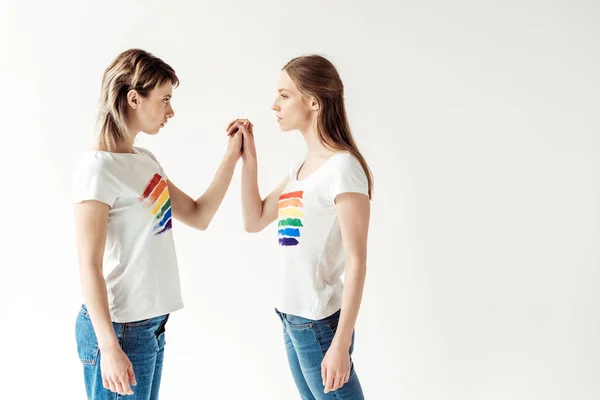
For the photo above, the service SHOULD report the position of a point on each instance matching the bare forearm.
(252, 206)
(208, 204)
(354, 283)
(93, 287)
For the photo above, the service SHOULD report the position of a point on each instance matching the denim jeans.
(306, 343)
(142, 341)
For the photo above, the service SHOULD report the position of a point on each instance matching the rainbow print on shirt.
(157, 193)
(290, 218)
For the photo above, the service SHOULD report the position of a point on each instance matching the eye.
(166, 101)
(284, 96)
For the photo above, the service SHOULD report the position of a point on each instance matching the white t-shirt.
(312, 258)
(140, 265)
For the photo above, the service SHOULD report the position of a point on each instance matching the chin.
(285, 128)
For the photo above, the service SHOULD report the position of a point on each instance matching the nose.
(275, 106)
(170, 112)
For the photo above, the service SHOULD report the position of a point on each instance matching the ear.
(133, 99)
(314, 104)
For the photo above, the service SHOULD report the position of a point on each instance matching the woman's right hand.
(117, 371)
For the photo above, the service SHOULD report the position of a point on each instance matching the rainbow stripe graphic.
(290, 218)
(157, 193)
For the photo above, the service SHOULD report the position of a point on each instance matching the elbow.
(251, 228)
(358, 265)
(200, 221)
(202, 226)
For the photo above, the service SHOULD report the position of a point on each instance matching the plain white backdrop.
(479, 120)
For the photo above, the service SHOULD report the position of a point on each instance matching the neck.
(316, 148)
(126, 146)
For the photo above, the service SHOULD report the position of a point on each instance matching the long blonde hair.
(133, 69)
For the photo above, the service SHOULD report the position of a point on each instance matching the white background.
(479, 120)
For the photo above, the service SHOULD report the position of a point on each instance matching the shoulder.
(96, 162)
(143, 150)
(345, 162)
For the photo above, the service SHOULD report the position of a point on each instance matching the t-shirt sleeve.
(149, 154)
(349, 177)
(94, 179)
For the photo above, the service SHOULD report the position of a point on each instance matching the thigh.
(296, 369)
(303, 338)
(314, 344)
(139, 341)
(143, 343)
(89, 355)
(160, 355)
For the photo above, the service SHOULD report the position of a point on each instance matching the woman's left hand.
(335, 368)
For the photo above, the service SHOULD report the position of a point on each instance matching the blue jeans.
(144, 344)
(306, 342)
